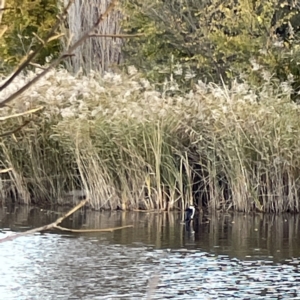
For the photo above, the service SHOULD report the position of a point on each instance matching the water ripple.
(49, 266)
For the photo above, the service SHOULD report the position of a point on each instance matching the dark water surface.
(224, 256)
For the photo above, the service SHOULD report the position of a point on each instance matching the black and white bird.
(190, 213)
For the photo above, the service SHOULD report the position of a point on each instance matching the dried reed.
(129, 146)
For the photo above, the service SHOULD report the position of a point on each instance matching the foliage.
(214, 40)
(27, 21)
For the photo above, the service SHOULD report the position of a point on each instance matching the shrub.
(213, 40)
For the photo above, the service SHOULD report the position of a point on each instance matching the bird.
(190, 213)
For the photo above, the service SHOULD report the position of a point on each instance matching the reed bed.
(125, 145)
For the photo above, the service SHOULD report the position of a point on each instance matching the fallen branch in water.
(92, 230)
(55, 225)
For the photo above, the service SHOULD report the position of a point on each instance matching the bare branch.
(6, 8)
(15, 130)
(31, 111)
(46, 227)
(55, 225)
(92, 230)
(5, 170)
(2, 30)
(116, 35)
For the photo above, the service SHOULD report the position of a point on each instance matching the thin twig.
(2, 30)
(38, 66)
(15, 130)
(120, 36)
(7, 8)
(92, 230)
(5, 170)
(31, 111)
(55, 225)
(46, 227)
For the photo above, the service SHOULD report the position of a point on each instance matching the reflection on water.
(236, 235)
(220, 256)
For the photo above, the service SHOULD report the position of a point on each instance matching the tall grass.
(129, 146)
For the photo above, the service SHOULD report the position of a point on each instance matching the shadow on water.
(220, 256)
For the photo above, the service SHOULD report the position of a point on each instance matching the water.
(222, 256)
